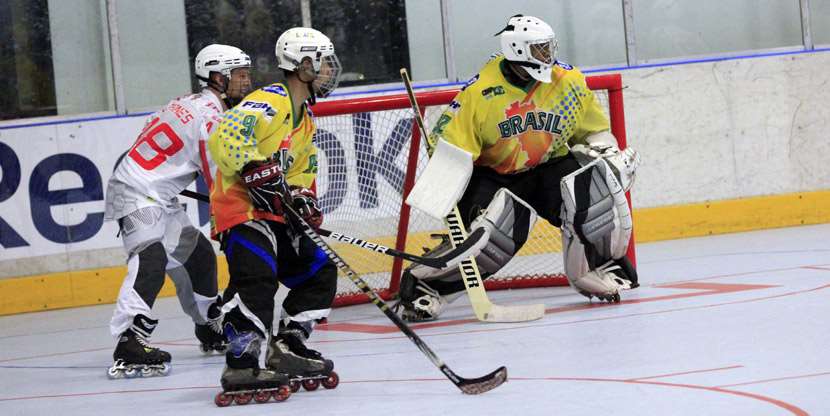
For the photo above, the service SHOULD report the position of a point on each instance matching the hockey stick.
(467, 385)
(473, 243)
(484, 309)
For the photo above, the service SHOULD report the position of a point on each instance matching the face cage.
(228, 78)
(328, 76)
(542, 52)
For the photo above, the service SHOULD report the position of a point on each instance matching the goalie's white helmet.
(299, 43)
(219, 58)
(531, 43)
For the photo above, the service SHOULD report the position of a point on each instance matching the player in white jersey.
(168, 155)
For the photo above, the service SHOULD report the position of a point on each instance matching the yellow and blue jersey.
(261, 127)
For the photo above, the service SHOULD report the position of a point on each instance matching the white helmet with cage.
(300, 44)
(531, 43)
(219, 58)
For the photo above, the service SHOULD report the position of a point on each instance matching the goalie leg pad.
(594, 208)
(507, 221)
(595, 232)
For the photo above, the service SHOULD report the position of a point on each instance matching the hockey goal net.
(370, 155)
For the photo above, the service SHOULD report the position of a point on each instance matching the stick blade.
(484, 384)
(515, 313)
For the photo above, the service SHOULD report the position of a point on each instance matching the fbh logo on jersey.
(260, 106)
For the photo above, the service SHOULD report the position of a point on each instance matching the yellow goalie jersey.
(510, 129)
(262, 126)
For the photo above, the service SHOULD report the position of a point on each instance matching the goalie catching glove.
(265, 181)
(604, 145)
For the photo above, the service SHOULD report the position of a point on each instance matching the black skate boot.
(423, 293)
(135, 357)
(418, 301)
(210, 334)
(242, 379)
(288, 354)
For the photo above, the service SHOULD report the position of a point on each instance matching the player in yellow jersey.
(536, 141)
(265, 139)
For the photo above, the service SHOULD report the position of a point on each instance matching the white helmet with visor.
(531, 43)
(219, 58)
(303, 49)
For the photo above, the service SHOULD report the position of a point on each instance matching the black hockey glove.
(305, 202)
(263, 181)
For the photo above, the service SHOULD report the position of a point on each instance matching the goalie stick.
(467, 385)
(472, 243)
(484, 309)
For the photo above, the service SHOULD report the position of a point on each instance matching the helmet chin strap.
(222, 89)
(514, 77)
(312, 96)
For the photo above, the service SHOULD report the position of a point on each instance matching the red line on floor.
(779, 403)
(685, 372)
(784, 405)
(513, 327)
(493, 328)
(57, 354)
(702, 289)
(353, 327)
(775, 379)
(99, 393)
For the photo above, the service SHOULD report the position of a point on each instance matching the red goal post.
(362, 183)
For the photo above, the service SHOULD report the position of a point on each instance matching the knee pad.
(201, 268)
(152, 262)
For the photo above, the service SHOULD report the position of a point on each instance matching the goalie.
(527, 137)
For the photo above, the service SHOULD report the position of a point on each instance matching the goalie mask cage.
(371, 152)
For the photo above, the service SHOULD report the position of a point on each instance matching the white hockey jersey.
(168, 155)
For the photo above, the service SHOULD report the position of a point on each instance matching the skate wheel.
(243, 398)
(262, 396)
(147, 372)
(165, 369)
(131, 373)
(616, 298)
(295, 386)
(113, 374)
(282, 394)
(311, 384)
(223, 399)
(204, 348)
(332, 381)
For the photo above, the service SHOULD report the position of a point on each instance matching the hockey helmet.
(219, 58)
(300, 43)
(531, 43)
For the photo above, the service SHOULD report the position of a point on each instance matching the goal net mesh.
(366, 154)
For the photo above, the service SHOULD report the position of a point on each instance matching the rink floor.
(735, 324)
